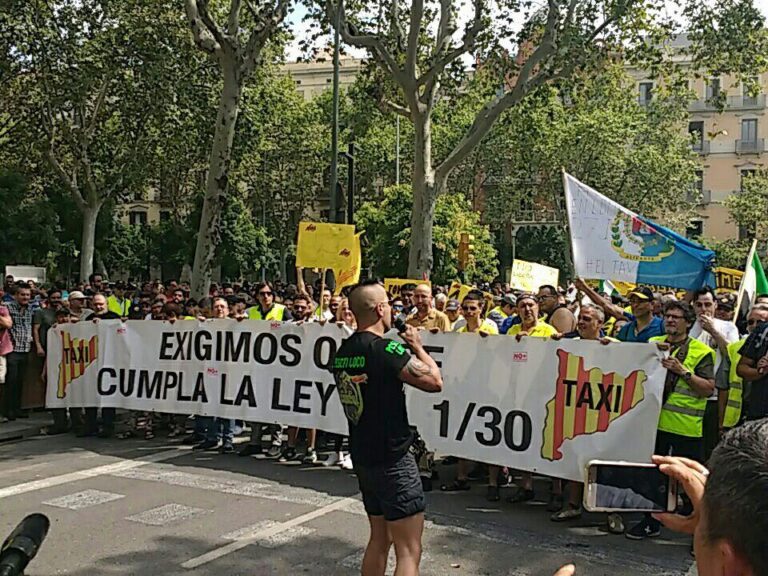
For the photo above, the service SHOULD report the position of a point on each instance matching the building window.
(165, 216)
(328, 80)
(137, 218)
(646, 93)
(298, 82)
(695, 229)
(713, 89)
(747, 98)
(749, 130)
(696, 132)
(697, 190)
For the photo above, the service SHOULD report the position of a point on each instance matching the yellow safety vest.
(736, 386)
(683, 412)
(122, 309)
(275, 313)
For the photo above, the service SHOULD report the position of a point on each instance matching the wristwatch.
(687, 376)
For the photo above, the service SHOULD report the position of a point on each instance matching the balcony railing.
(750, 146)
(746, 102)
(700, 196)
(732, 102)
(701, 146)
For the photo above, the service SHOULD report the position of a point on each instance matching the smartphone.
(628, 487)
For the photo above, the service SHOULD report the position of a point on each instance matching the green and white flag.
(607, 287)
(754, 281)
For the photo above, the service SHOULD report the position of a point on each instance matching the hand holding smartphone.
(628, 487)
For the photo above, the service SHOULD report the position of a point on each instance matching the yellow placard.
(322, 245)
(728, 279)
(351, 275)
(459, 291)
(394, 286)
(529, 276)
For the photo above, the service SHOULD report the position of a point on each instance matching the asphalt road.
(124, 507)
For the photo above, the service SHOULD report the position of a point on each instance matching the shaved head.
(365, 301)
(423, 289)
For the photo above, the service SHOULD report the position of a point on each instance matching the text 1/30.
(515, 428)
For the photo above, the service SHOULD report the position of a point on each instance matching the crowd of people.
(717, 365)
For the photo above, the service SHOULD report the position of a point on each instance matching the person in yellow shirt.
(530, 325)
(472, 306)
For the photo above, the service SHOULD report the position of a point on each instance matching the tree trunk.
(425, 192)
(88, 241)
(209, 235)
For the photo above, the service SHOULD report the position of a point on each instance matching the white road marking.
(166, 514)
(264, 534)
(692, 571)
(273, 541)
(266, 490)
(84, 499)
(115, 467)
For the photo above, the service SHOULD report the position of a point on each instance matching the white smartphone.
(628, 487)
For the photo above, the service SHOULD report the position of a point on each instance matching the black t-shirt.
(755, 348)
(366, 369)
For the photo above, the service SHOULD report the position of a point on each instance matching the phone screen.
(631, 488)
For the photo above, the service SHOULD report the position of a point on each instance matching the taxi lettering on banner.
(554, 407)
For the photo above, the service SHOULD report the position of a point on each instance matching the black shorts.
(392, 490)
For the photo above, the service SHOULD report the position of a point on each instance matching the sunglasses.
(265, 293)
(470, 308)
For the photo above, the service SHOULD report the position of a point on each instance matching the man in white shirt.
(716, 334)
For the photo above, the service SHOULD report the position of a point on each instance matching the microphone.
(400, 324)
(22, 545)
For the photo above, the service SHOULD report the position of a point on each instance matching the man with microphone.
(370, 371)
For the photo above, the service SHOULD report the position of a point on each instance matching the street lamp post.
(349, 155)
(332, 207)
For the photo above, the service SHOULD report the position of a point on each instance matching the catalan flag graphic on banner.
(586, 401)
(76, 355)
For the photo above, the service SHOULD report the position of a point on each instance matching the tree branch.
(444, 54)
(233, 21)
(389, 107)
(203, 36)
(524, 84)
(91, 128)
(260, 35)
(371, 42)
(68, 182)
(412, 49)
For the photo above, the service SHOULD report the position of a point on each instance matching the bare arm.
(421, 371)
(702, 386)
(747, 369)
(609, 307)
(36, 338)
(5, 321)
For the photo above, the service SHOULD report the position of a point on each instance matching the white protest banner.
(528, 276)
(535, 405)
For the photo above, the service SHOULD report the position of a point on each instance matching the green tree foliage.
(28, 224)
(388, 234)
(748, 208)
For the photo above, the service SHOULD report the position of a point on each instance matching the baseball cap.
(76, 295)
(642, 292)
(452, 305)
(509, 299)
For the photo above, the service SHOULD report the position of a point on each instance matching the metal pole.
(335, 121)
(264, 227)
(397, 150)
(351, 183)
